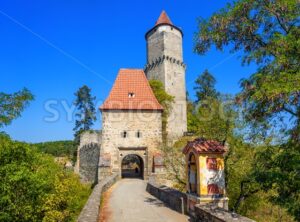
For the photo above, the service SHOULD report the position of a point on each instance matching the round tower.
(165, 63)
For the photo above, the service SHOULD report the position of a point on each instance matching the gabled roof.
(163, 19)
(131, 91)
(202, 145)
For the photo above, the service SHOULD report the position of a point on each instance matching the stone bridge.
(128, 201)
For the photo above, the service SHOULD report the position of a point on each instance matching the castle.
(132, 116)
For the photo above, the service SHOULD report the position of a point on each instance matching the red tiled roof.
(131, 91)
(163, 19)
(202, 145)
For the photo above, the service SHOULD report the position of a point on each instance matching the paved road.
(128, 201)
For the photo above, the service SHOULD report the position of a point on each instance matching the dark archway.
(192, 174)
(132, 166)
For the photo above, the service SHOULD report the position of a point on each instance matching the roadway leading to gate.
(130, 202)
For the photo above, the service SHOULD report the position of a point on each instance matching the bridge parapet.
(178, 201)
(213, 214)
(91, 210)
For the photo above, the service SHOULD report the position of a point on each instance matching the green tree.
(58, 148)
(239, 174)
(11, 105)
(34, 188)
(268, 34)
(211, 116)
(214, 120)
(246, 195)
(277, 168)
(205, 86)
(192, 121)
(86, 112)
(165, 100)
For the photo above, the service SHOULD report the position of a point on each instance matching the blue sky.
(54, 47)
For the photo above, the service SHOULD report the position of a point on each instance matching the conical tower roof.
(163, 19)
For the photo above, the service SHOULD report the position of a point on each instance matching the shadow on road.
(128, 173)
(154, 201)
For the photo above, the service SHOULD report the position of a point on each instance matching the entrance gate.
(133, 161)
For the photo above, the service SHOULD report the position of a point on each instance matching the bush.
(34, 188)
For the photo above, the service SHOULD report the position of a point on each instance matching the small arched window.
(138, 134)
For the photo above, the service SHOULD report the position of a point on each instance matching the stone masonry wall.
(208, 214)
(164, 40)
(175, 86)
(177, 200)
(91, 210)
(88, 164)
(165, 63)
(115, 146)
(172, 198)
(88, 156)
(89, 137)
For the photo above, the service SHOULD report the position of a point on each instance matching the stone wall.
(89, 137)
(115, 147)
(172, 198)
(165, 63)
(164, 40)
(212, 214)
(86, 138)
(88, 162)
(177, 200)
(175, 86)
(91, 210)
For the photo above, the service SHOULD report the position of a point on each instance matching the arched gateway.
(132, 166)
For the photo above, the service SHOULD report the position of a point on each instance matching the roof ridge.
(130, 69)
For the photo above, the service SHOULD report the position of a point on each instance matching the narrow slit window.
(124, 134)
(138, 134)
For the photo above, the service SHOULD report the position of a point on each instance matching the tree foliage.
(205, 87)
(267, 31)
(278, 168)
(86, 112)
(165, 100)
(35, 188)
(174, 162)
(212, 115)
(65, 148)
(212, 120)
(11, 105)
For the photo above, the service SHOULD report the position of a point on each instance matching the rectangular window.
(211, 164)
(131, 95)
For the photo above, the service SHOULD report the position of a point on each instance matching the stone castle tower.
(131, 114)
(165, 63)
